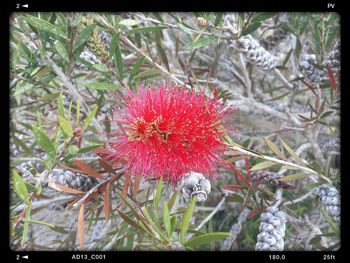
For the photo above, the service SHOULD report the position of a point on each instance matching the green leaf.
(262, 165)
(22, 87)
(89, 148)
(324, 115)
(26, 53)
(294, 177)
(166, 219)
(186, 219)
(317, 167)
(45, 26)
(77, 114)
(84, 36)
(44, 142)
(26, 224)
(90, 117)
(136, 67)
(173, 223)
(118, 56)
(38, 117)
(295, 156)
(130, 221)
(65, 126)
(206, 238)
(274, 148)
(235, 198)
(151, 222)
(172, 200)
(315, 240)
(129, 22)
(60, 107)
(202, 42)
(185, 29)
(73, 149)
(218, 19)
(158, 193)
(53, 227)
(251, 28)
(145, 29)
(330, 222)
(287, 57)
(101, 86)
(262, 16)
(149, 73)
(297, 47)
(62, 51)
(160, 50)
(20, 187)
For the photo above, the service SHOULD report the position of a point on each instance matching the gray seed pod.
(272, 230)
(77, 181)
(311, 73)
(333, 58)
(255, 53)
(330, 199)
(195, 184)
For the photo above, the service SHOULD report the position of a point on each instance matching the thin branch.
(300, 199)
(250, 153)
(215, 210)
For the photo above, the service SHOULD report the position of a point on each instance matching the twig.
(282, 78)
(215, 210)
(300, 199)
(43, 203)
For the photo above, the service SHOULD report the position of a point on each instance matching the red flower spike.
(168, 131)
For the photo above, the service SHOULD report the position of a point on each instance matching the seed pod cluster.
(77, 181)
(330, 199)
(333, 58)
(272, 230)
(312, 73)
(255, 53)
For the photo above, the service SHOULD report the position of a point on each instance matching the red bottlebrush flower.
(168, 131)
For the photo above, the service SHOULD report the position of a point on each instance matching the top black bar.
(176, 5)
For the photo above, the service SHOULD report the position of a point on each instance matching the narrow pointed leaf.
(44, 142)
(26, 224)
(205, 239)
(274, 148)
(294, 177)
(187, 219)
(295, 156)
(20, 187)
(90, 117)
(166, 219)
(262, 165)
(65, 126)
